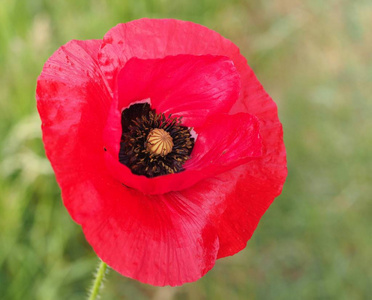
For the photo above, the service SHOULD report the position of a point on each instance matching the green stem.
(99, 276)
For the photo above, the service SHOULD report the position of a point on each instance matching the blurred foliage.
(314, 58)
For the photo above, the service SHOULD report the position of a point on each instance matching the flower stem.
(99, 276)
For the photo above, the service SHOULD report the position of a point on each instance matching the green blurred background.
(312, 56)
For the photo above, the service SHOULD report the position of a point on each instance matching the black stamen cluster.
(137, 121)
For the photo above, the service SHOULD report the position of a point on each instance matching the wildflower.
(166, 147)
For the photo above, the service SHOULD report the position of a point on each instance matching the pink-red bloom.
(162, 216)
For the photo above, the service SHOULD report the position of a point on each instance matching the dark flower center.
(152, 144)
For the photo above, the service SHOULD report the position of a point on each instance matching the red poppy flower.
(166, 147)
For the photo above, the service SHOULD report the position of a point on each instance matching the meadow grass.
(314, 59)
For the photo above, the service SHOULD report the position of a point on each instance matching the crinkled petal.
(257, 183)
(187, 86)
(247, 203)
(160, 240)
(73, 102)
(224, 142)
(157, 38)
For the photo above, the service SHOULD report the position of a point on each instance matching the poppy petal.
(187, 86)
(224, 142)
(73, 102)
(160, 240)
(257, 183)
(157, 38)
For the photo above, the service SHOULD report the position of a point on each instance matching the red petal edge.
(73, 102)
(160, 240)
